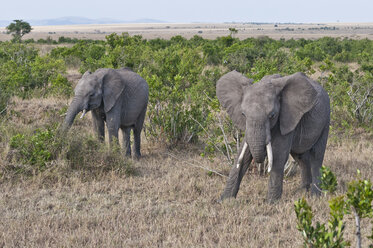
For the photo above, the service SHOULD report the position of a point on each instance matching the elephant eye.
(243, 114)
(271, 115)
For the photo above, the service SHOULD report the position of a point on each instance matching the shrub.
(175, 108)
(22, 70)
(328, 181)
(87, 153)
(321, 235)
(34, 153)
(35, 149)
(358, 199)
(60, 87)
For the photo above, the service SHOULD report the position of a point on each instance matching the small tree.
(17, 29)
(328, 181)
(233, 31)
(359, 200)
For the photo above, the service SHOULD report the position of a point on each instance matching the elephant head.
(99, 89)
(257, 108)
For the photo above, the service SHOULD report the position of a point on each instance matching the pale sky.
(186, 11)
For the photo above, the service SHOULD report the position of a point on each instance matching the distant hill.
(74, 20)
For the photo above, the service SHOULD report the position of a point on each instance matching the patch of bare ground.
(169, 202)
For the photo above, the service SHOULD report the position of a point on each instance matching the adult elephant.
(118, 97)
(280, 116)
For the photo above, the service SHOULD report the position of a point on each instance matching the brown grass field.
(170, 200)
(205, 30)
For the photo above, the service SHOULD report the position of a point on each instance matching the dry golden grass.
(168, 202)
(206, 30)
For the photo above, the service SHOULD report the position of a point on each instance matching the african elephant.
(118, 97)
(280, 116)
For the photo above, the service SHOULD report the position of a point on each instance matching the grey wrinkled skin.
(291, 112)
(118, 97)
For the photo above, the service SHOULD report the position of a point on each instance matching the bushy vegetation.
(182, 74)
(35, 151)
(357, 200)
(18, 28)
(183, 107)
(328, 181)
(24, 73)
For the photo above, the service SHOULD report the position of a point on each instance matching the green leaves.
(328, 181)
(320, 235)
(23, 71)
(360, 196)
(37, 148)
(18, 28)
(358, 199)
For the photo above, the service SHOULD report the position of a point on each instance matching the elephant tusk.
(83, 114)
(270, 156)
(241, 155)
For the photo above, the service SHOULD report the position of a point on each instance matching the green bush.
(87, 153)
(176, 70)
(35, 149)
(22, 71)
(321, 235)
(32, 153)
(60, 87)
(328, 181)
(358, 199)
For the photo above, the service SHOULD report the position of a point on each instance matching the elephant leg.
(127, 140)
(98, 125)
(137, 133)
(137, 142)
(281, 148)
(316, 158)
(304, 164)
(236, 174)
(113, 129)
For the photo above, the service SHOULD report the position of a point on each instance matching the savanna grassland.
(205, 30)
(70, 190)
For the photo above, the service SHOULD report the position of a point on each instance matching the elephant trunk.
(74, 108)
(259, 142)
(257, 149)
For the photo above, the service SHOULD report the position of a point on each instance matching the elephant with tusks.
(280, 116)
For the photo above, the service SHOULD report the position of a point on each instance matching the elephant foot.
(274, 196)
(273, 200)
(128, 155)
(316, 190)
(224, 197)
(137, 155)
(302, 189)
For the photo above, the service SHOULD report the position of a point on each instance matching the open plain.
(205, 30)
(169, 200)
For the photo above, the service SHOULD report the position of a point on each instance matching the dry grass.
(167, 203)
(205, 30)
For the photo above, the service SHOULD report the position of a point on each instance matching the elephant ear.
(298, 96)
(112, 87)
(229, 90)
